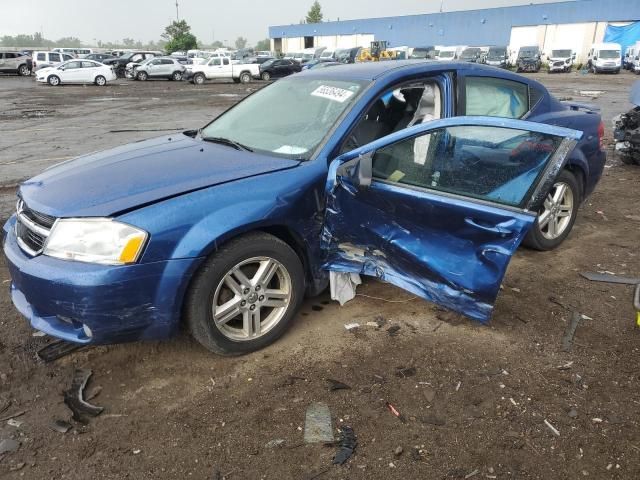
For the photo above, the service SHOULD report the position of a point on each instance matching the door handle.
(484, 228)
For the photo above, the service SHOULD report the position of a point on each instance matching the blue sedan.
(424, 175)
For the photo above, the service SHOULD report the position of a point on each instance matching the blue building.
(575, 24)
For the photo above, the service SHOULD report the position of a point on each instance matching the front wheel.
(266, 76)
(142, 76)
(177, 76)
(245, 295)
(53, 81)
(24, 70)
(557, 215)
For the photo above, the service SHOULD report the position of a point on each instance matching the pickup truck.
(219, 68)
(426, 175)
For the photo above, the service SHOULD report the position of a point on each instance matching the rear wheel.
(142, 76)
(198, 79)
(557, 215)
(245, 77)
(24, 70)
(101, 81)
(53, 80)
(244, 297)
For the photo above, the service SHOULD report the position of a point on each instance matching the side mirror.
(358, 171)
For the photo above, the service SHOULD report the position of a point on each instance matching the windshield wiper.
(228, 142)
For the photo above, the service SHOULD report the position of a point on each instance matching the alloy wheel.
(24, 71)
(252, 298)
(557, 211)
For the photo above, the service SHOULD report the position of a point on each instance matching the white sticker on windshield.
(332, 93)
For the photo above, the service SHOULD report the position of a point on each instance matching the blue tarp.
(625, 36)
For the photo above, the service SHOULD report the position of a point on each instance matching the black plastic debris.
(61, 426)
(56, 350)
(336, 385)
(393, 330)
(74, 399)
(346, 446)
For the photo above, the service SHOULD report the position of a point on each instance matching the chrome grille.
(32, 228)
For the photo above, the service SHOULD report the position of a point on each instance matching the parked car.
(158, 67)
(631, 53)
(605, 57)
(471, 54)
(16, 62)
(561, 60)
(497, 57)
(359, 169)
(119, 64)
(76, 71)
(423, 53)
(347, 55)
(100, 57)
(529, 59)
(49, 59)
(323, 65)
(278, 69)
(221, 68)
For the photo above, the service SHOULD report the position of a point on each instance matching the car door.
(71, 72)
(214, 68)
(89, 71)
(439, 208)
(153, 68)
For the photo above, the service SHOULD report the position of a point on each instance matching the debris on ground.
(346, 445)
(415, 454)
(398, 451)
(393, 330)
(555, 431)
(336, 385)
(380, 321)
(567, 338)
(572, 413)
(406, 372)
(317, 425)
(395, 412)
(57, 349)
(351, 326)
(9, 445)
(609, 278)
(12, 422)
(74, 399)
(60, 426)
(591, 93)
(13, 415)
(278, 442)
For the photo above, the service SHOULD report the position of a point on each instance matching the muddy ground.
(474, 398)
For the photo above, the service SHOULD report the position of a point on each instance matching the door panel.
(426, 210)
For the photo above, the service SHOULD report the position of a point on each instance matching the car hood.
(106, 183)
(44, 70)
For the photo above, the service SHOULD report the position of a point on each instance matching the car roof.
(373, 70)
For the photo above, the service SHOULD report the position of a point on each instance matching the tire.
(100, 81)
(53, 80)
(24, 70)
(245, 77)
(199, 79)
(235, 333)
(543, 237)
(236, 80)
(177, 76)
(617, 71)
(266, 76)
(142, 76)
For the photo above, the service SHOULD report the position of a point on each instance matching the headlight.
(95, 240)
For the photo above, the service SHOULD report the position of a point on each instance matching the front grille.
(558, 64)
(32, 228)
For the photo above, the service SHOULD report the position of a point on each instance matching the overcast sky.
(145, 20)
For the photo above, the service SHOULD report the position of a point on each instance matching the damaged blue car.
(425, 175)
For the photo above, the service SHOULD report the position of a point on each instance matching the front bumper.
(608, 68)
(96, 304)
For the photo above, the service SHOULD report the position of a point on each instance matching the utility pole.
(441, 5)
(177, 14)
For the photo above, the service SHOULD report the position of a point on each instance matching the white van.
(451, 53)
(48, 59)
(630, 55)
(605, 57)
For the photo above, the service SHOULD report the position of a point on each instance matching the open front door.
(438, 209)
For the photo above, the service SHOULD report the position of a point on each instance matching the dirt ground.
(474, 398)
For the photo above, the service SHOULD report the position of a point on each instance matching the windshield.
(127, 56)
(326, 54)
(609, 53)
(307, 56)
(421, 53)
(561, 53)
(447, 54)
(526, 53)
(470, 53)
(289, 118)
(496, 53)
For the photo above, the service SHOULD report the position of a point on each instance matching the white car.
(77, 71)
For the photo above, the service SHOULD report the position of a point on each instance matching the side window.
(489, 163)
(495, 97)
(73, 65)
(54, 57)
(42, 57)
(397, 109)
(215, 62)
(89, 65)
(225, 61)
(9, 55)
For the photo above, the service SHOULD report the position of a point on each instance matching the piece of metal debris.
(346, 446)
(9, 445)
(12, 422)
(13, 415)
(317, 424)
(351, 326)
(555, 431)
(567, 338)
(61, 426)
(336, 385)
(609, 278)
(74, 399)
(395, 412)
(57, 349)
